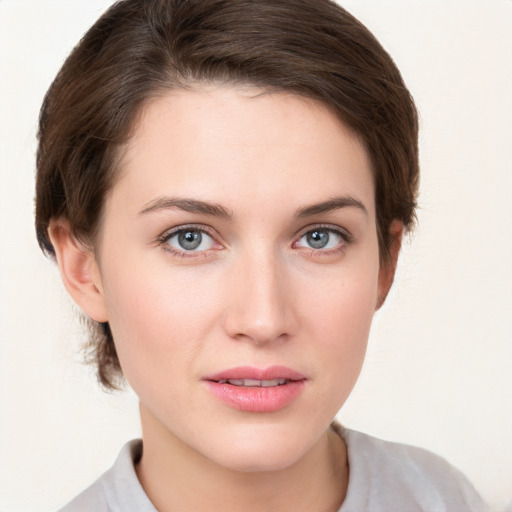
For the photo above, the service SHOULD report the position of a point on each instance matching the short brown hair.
(141, 48)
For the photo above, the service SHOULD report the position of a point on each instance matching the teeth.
(252, 383)
(236, 382)
(273, 382)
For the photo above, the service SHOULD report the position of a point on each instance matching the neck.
(176, 477)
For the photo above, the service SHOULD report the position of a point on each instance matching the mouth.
(255, 383)
(256, 390)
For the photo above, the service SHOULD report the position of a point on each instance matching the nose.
(260, 301)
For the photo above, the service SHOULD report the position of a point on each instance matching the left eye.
(190, 240)
(320, 239)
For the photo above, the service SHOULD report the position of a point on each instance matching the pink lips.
(278, 387)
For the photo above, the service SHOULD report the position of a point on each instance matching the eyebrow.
(335, 203)
(216, 210)
(187, 205)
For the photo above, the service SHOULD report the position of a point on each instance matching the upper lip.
(250, 372)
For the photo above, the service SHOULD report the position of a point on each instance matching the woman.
(224, 186)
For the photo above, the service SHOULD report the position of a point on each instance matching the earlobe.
(388, 268)
(79, 270)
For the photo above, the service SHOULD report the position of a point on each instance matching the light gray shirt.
(384, 477)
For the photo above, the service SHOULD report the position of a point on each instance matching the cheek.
(153, 318)
(340, 318)
(343, 302)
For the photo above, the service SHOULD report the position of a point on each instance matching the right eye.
(189, 240)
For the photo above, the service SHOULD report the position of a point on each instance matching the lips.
(253, 383)
(256, 390)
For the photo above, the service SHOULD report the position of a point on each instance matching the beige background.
(438, 369)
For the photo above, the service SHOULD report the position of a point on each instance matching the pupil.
(190, 239)
(318, 239)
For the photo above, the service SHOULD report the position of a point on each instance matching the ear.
(388, 268)
(78, 270)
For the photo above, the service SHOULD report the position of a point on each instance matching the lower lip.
(257, 399)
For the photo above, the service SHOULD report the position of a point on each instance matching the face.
(239, 267)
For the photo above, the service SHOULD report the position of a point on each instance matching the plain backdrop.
(438, 371)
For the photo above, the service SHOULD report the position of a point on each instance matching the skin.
(254, 293)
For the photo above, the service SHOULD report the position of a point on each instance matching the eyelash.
(345, 236)
(163, 240)
(346, 239)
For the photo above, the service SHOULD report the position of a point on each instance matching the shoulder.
(118, 489)
(93, 498)
(393, 476)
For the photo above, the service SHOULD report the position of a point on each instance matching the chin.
(258, 459)
(261, 448)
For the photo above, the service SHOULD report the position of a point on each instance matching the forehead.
(235, 143)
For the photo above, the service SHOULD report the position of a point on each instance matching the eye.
(322, 239)
(189, 239)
